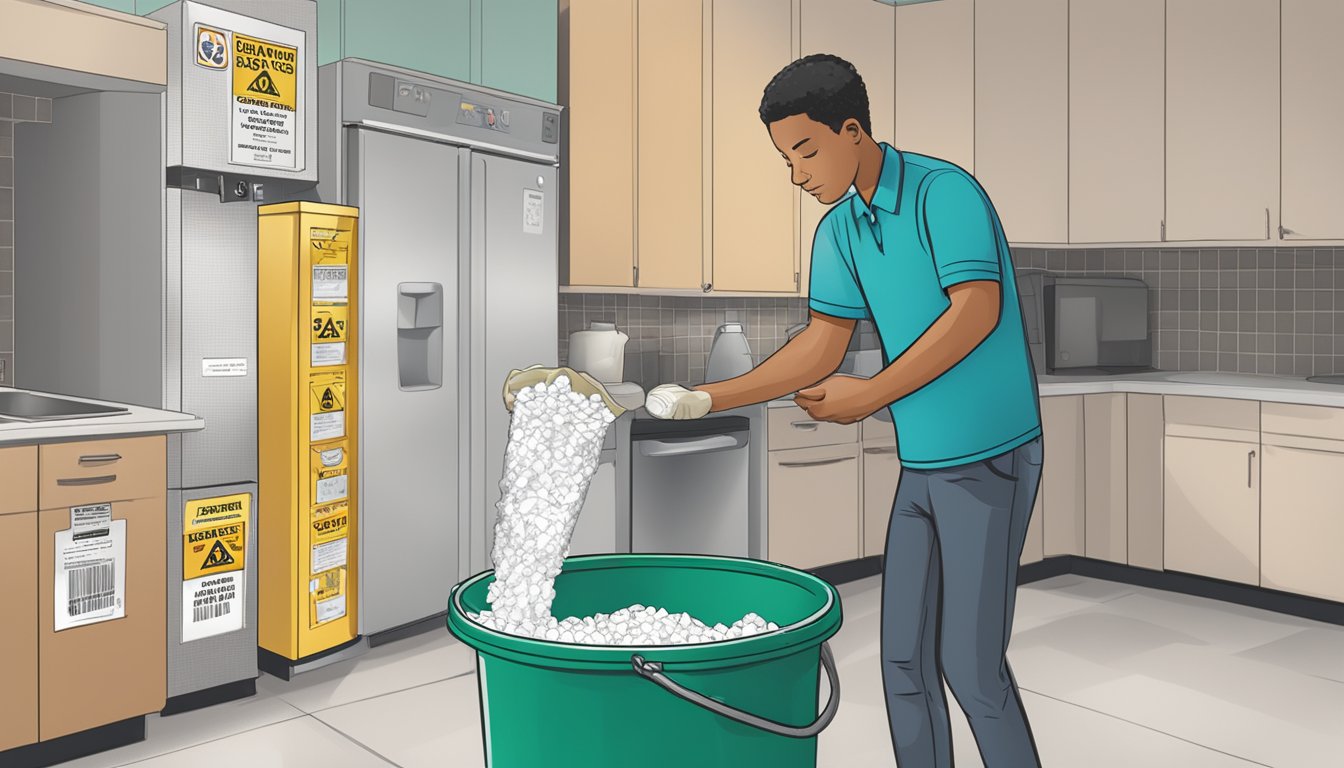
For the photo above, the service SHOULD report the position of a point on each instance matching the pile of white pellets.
(555, 440)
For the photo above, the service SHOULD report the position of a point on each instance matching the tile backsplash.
(14, 108)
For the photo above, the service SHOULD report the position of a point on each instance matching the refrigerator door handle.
(685, 447)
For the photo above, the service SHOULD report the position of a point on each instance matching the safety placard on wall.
(331, 282)
(327, 585)
(214, 561)
(90, 584)
(329, 333)
(326, 408)
(264, 124)
(330, 473)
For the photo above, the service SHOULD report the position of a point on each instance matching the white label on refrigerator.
(328, 555)
(330, 609)
(212, 605)
(331, 282)
(325, 426)
(534, 211)
(90, 583)
(224, 366)
(328, 354)
(331, 489)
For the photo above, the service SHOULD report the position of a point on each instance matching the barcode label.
(207, 612)
(92, 588)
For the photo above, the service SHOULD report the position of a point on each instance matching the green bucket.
(745, 702)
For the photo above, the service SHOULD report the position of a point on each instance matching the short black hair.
(824, 87)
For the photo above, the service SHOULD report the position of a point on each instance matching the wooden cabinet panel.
(1105, 485)
(860, 32)
(1033, 548)
(1304, 420)
(18, 640)
(1022, 115)
(881, 476)
(791, 427)
(1062, 475)
(94, 471)
(18, 479)
(754, 247)
(1222, 103)
(935, 80)
(1313, 109)
(873, 429)
(1302, 521)
(669, 214)
(597, 86)
(1212, 499)
(1144, 479)
(102, 673)
(814, 506)
(1220, 412)
(1116, 111)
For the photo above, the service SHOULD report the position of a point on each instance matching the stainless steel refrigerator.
(456, 186)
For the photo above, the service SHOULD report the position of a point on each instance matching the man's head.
(817, 112)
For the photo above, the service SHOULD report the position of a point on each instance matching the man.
(914, 244)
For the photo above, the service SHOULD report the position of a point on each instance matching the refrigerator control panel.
(483, 116)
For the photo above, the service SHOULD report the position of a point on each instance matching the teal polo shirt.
(931, 226)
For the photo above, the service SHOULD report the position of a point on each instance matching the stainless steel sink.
(26, 406)
(1336, 379)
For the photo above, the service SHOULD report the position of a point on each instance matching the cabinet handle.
(1249, 457)
(1164, 230)
(99, 480)
(99, 458)
(806, 426)
(707, 287)
(879, 451)
(636, 268)
(1286, 231)
(1266, 223)
(817, 463)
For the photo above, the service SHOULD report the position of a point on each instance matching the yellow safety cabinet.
(307, 363)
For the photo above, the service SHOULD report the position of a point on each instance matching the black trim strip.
(76, 745)
(208, 697)
(438, 621)
(276, 665)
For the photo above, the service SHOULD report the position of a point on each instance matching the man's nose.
(799, 178)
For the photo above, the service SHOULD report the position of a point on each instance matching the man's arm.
(806, 359)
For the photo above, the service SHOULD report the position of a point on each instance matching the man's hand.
(671, 401)
(841, 399)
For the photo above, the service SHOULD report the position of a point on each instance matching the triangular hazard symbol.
(328, 401)
(329, 331)
(264, 85)
(219, 556)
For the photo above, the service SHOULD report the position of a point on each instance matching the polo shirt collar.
(889, 182)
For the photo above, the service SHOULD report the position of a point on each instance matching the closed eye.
(808, 157)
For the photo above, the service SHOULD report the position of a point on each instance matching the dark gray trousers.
(948, 589)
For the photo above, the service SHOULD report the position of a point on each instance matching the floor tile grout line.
(301, 714)
(388, 693)
(356, 742)
(1145, 727)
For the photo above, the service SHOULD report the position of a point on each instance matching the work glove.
(673, 401)
(579, 382)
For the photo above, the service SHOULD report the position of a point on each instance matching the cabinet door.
(1313, 110)
(517, 45)
(669, 230)
(1115, 120)
(101, 673)
(18, 641)
(1222, 118)
(935, 80)
(755, 247)
(1212, 493)
(814, 506)
(1062, 475)
(1104, 484)
(598, 91)
(1144, 478)
(1033, 548)
(438, 41)
(860, 32)
(1022, 115)
(881, 476)
(1302, 522)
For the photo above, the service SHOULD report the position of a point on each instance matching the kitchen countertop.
(140, 421)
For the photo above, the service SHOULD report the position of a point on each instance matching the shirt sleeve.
(959, 230)
(833, 288)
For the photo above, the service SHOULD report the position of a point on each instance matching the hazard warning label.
(326, 408)
(265, 103)
(214, 559)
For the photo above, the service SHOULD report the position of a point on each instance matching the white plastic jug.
(599, 352)
(729, 355)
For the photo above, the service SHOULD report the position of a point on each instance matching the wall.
(14, 108)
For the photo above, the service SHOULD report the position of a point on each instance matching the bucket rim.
(808, 631)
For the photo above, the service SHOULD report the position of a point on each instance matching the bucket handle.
(652, 670)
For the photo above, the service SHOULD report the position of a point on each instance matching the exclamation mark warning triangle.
(219, 556)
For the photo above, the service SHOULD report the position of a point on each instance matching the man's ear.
(852, 130)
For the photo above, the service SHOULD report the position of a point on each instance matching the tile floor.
(1111, 676)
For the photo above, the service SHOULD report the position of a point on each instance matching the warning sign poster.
(264, 119)
(327, 586)
(214, 560)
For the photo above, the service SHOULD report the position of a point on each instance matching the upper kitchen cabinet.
(669, 219)
(1313, 110)
(1116, 114)
(754, 247)
(597, 87)
(860, 32)
(1022, 115)
(430, 36)
(935, 81)
(517, 46)
(1223, 118)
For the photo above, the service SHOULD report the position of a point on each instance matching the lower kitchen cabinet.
(18, 639)
(1033, 549)
(1143, 448)
(1302, 517)
(1062, 475)
(814, 505)
(1105, 485)
(1211, 489)
(881, 475)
